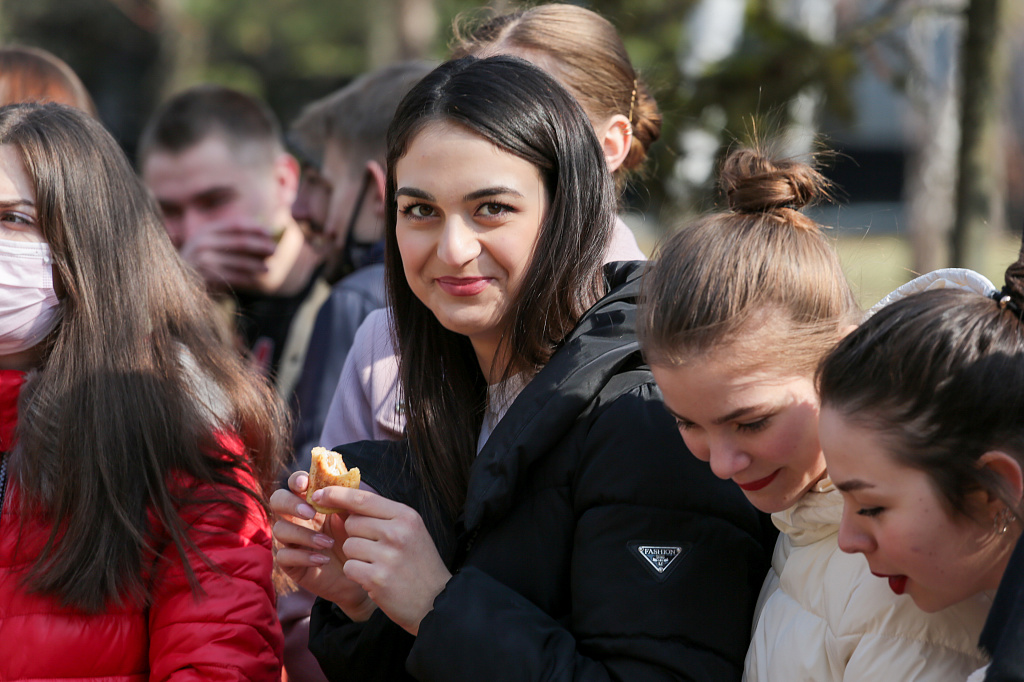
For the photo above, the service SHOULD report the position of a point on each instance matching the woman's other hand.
(311, 549)
(389, 553)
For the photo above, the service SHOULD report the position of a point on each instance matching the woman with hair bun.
(921, 428)
(736, 313)
(542, 520)
(583, 51)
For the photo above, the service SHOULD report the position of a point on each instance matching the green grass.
(875, 265)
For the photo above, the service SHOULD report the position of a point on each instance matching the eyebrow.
(735, 414)
(11, 203)
(853, 486)
(490, 192)
(200, 197)
(414, 193)
(214, 192)
(472, 196)
(721, 420)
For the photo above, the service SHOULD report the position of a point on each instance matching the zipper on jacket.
(462, 551)
(3, 480)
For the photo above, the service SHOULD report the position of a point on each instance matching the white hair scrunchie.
(946, 278)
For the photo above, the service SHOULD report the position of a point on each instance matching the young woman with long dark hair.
(583, 51)
(921, 428)
(542, 520)
(136, 447)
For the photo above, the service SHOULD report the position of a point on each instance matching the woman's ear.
(1009, 471)
(378, 180)
(616, 138)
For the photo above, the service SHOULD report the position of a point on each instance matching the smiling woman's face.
(755, 426)
(469, 215)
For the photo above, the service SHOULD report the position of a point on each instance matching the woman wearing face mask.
(736, 313)
(542, 521)
(921, 429)
(134, 446)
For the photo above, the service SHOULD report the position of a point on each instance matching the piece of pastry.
(328, 468)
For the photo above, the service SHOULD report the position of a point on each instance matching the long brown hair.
(762, 257)
(585, 54)
(135, 384)
(525, 112)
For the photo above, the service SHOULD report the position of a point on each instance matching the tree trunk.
(978, 197)
(400, 29)
(183, 47)
(933, 137)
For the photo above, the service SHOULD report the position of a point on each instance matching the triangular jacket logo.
(660, 559)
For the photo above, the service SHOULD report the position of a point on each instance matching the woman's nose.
(726, 458)
(459, 243)
(852, 537)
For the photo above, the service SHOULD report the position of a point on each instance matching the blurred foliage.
(131, 53)
(773, 64)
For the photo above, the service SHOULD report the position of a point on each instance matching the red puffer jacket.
(230, 633)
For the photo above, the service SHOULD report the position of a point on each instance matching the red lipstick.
(759, 483)
(463, 286)
(897, 583)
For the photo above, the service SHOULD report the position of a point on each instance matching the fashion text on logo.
(660, 558)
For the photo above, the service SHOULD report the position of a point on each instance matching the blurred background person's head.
(214, 159)
(29, 74)
(340, 140)
(584, 52)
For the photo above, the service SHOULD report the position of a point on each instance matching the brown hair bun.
(583, 51)
(753, 183)
(646, 122)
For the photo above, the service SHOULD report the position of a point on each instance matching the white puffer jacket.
(822, 616)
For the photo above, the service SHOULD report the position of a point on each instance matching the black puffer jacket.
(592, 546)
(1003, 636)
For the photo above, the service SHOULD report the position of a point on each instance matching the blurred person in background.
(30, 74)
(341, 142)
(341, 197)
(135, 446)
(583, 51)
(214, 160)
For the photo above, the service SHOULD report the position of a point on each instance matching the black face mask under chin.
(354, 254)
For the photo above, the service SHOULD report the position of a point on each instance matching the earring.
(1003, 520)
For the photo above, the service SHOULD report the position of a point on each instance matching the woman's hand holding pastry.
(310, 551)
(389, 553)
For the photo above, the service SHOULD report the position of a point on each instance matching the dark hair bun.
(1015, 282)
(753, 183)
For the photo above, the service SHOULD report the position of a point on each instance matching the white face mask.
(28, 302)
